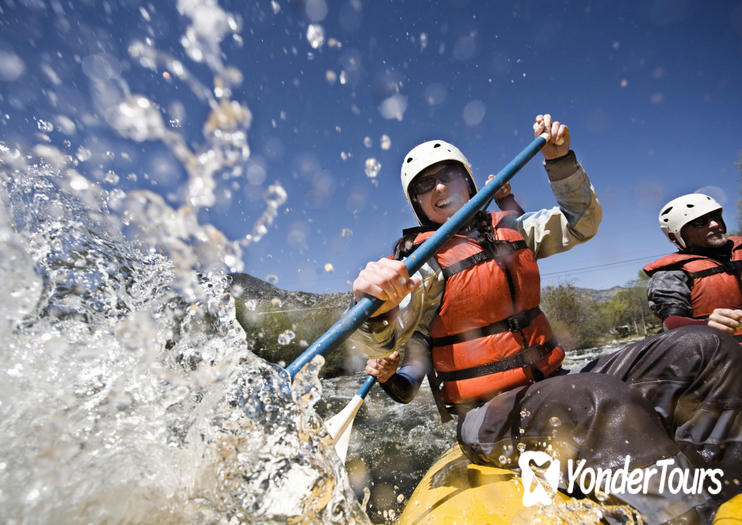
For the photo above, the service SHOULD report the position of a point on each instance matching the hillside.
(600, 296)
(281, 324)
(249, 287)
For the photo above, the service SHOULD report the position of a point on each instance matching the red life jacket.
(489, 334)
(713, 284)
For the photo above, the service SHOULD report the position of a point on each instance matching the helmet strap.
(677, 240)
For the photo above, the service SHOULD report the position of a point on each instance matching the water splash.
(315, 36)
(393, 107)
(372, 168)
(128, 392)
(209, 25)
(123, 400)
(286, 337)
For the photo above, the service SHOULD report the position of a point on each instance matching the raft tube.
(456, 491)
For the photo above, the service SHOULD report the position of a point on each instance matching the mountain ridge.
(249, 286)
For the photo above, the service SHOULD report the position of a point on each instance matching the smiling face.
(705, 232)
(442, 190)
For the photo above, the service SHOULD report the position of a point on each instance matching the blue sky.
(650, 90)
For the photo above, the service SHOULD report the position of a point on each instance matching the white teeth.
(443, 203)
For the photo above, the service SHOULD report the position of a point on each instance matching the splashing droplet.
(11, 66)
(393, 107)
(83, 154)
(385, 142)
(315, 35)
(286, 337)
(275, 195)
(45, 126)
(137, 118)
(372, 168)
(423, 41)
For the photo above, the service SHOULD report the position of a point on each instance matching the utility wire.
(602, 266)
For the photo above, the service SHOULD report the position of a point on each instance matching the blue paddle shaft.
(366, 386)
(363, 309)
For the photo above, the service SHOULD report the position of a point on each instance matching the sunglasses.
(702, 222)
(424, 184)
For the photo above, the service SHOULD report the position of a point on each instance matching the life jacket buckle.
(515, 323)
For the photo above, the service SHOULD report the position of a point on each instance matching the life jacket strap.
(501, 247)
(731, 266)
(526, 357)
(514, 323)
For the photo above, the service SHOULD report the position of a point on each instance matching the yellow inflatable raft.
(455, 491)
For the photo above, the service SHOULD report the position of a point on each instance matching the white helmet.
(425, 155)
(679, 212)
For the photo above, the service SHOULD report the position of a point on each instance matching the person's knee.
(703, 342)
(585, 393)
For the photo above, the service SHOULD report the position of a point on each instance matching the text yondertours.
(634, 481)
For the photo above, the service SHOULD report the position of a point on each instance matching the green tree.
(613, 312)
(627, 313)
(573, 316)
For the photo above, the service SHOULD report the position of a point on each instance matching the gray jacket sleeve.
(668, 293)
(574, 221)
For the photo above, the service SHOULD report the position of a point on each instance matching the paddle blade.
(340, 425)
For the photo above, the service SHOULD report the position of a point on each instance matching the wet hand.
(384, 367)
(725, 319)
(557, 136)
(385, 279)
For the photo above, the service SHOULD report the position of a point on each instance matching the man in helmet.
(470, 321)
(700, 283)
